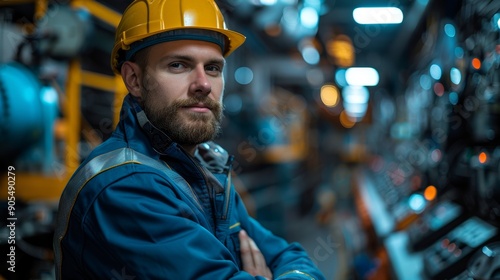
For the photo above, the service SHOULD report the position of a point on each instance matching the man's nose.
(201, 83)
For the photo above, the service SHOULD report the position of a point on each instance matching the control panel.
(433, 224)
(448, 257)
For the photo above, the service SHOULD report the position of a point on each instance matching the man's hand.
(251, 257)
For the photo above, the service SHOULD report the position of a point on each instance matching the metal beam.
(99, 10)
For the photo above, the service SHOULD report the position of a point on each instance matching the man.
(155, 201)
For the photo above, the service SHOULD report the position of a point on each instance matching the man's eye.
(176, 65)
(213, 68)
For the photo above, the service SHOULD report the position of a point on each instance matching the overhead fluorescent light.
(268, 2)
(378, 15)
(362, 76)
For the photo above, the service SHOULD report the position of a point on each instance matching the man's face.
(182, 89)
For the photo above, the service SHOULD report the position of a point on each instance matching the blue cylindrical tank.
(21, 109)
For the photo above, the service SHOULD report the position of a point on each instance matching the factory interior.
(372, 137)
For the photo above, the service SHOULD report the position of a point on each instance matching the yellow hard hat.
(148, 22)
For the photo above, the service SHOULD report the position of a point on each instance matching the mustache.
(207, 102)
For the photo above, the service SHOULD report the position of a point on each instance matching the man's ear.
(131, 75)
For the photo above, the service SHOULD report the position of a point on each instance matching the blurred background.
(367, 130)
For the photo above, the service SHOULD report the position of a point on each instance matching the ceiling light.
(435, 71)
(268, 2)
(309, 17)
(379, 15)
(329, 95)
(362, 76)
(450, 30)
(455, 76)
(417, 202)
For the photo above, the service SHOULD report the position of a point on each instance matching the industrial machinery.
(28, 112)
(439, 180)
(41, 84)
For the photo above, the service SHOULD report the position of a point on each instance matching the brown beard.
(188, 128)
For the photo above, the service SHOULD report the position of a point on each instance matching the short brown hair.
(141, 58)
